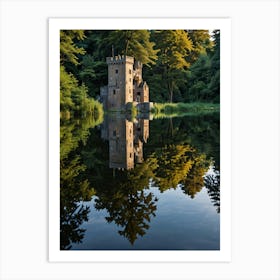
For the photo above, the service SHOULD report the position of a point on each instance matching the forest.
(178, 65)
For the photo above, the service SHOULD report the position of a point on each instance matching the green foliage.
(179, 65)
(165, 110)
(194, 182)
(93, 73)
(202, 44)
(135, 43)
(174, 163)
(128, 207)
(74, 98)
(67, 83)
(68, 48)
(174, 46)
(73, 187)
(204, 75)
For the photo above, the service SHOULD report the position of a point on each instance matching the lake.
(141, 184)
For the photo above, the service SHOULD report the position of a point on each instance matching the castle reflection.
(126, 140)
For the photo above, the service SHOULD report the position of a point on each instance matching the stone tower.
(125, 85)
(120, 81)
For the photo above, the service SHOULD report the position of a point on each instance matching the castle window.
(129, 90)
(138, 93)
(130, 71)
(114, 91)
(117, 71)
(130, 155)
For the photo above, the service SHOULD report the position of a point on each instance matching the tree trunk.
(126, 47)
(170, 90)
(169, 84)
(171, 126)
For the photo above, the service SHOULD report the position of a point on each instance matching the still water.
(142, 184)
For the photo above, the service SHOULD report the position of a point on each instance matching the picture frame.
(55, 254)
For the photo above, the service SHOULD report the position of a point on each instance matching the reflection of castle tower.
(125, 141)
(141, 134)
(121, 153)
(125, 84)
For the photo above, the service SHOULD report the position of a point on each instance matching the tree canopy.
(135, 43)
(179, 65)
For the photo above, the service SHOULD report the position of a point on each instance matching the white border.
(224, 254)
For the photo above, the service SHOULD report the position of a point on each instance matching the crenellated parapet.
(120, 59)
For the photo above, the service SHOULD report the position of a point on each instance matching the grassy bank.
(90, 108)
(163, 110)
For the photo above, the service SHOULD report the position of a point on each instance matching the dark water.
(140, 185)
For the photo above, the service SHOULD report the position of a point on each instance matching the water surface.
(140, 184)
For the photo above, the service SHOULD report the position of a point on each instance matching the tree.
(204, 74)
(175, 46)
(202, 43)
(135, 43)
(68, 48)
(74, 97)
(215, 70)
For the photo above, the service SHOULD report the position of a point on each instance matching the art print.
(139, 140)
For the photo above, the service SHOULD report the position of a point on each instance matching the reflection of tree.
(72, 191)
(199, 131)
(180, 164)
(194, 181)
(123, 195)
(73, 188)
(71, 217)
(174, 163)
(212, 183)
(129, 209)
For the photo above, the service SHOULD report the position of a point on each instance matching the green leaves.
(68, 49)
(174, 47)
(134, 43)
(204, 76)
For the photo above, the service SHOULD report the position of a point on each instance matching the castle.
(125, 85)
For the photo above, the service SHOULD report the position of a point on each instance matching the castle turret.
(120, 81)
